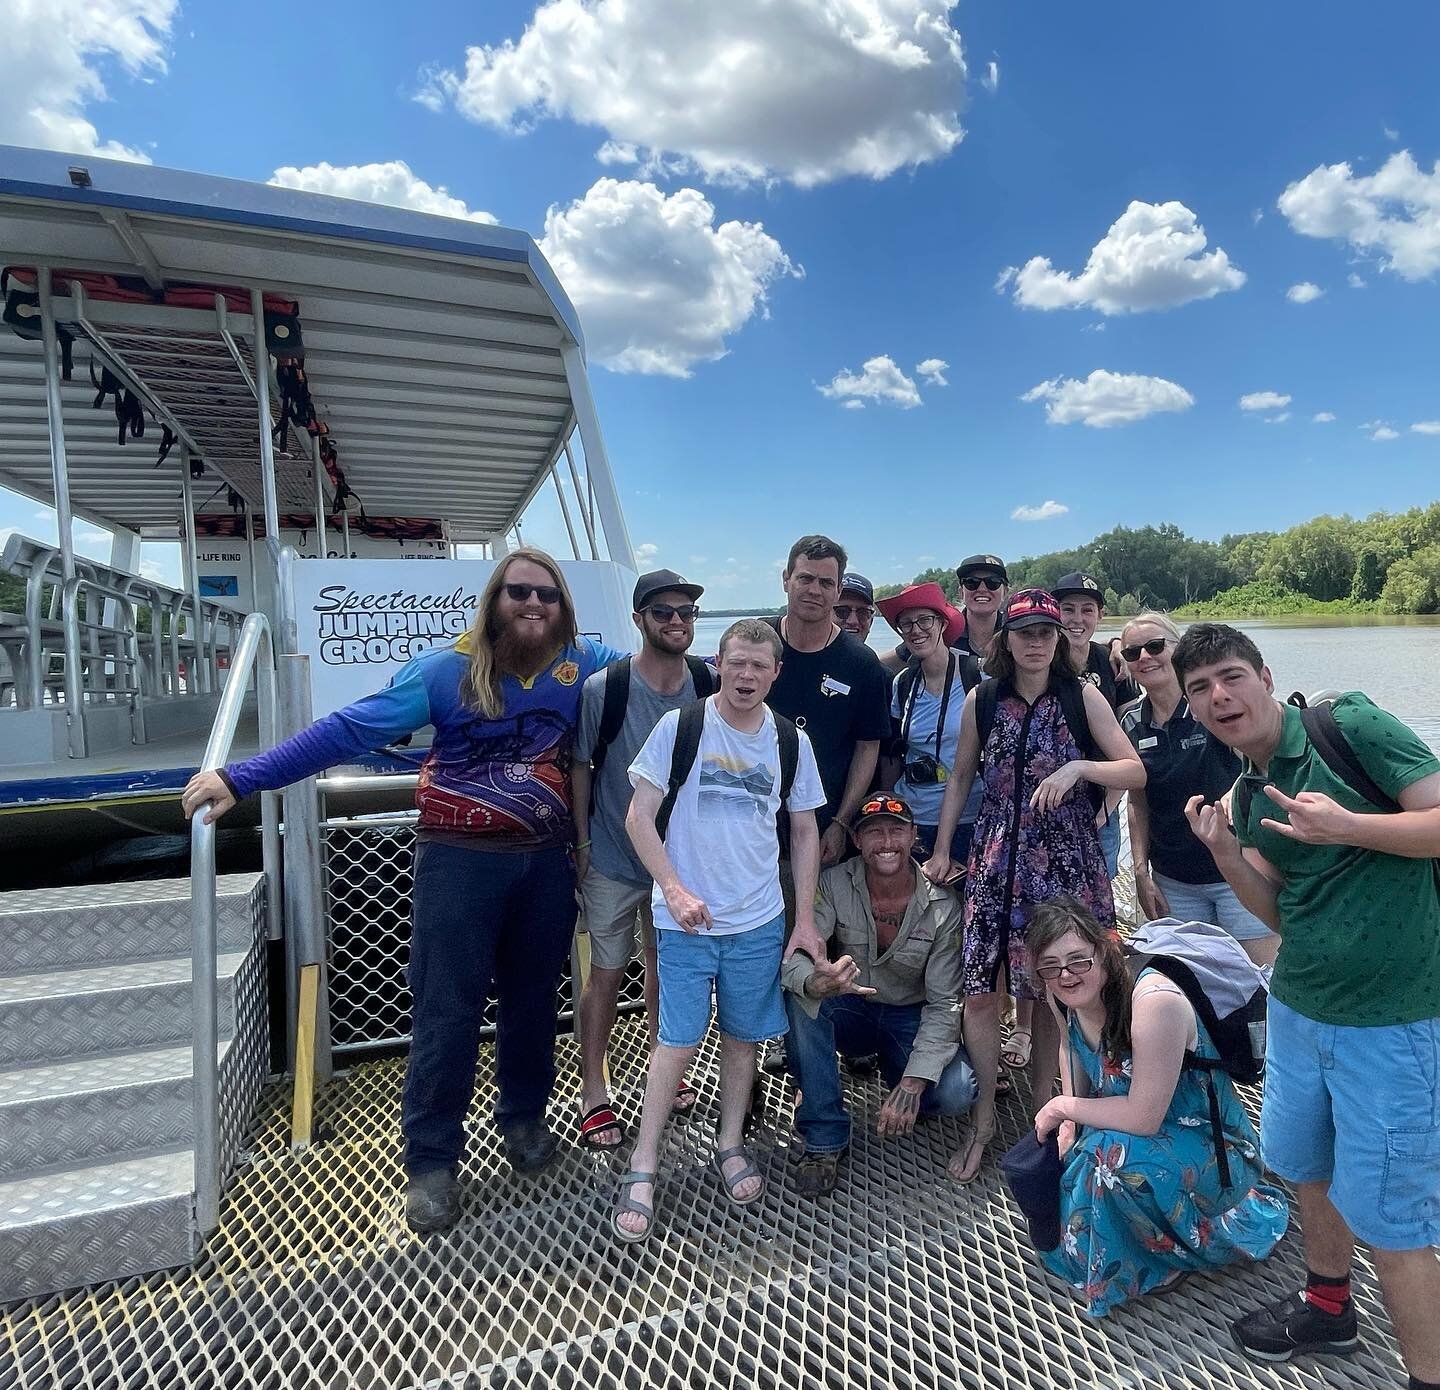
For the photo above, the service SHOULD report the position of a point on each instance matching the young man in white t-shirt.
(719, 913)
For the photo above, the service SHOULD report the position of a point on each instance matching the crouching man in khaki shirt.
(891, 986)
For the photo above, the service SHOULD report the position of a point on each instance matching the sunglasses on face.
(1154, 646)
(547, 593)
(663, 612)
(973, 582)
(923, 623)
(1079, 966)
(844, 611)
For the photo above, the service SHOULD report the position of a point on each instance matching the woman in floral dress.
(1035, 837)
(1141, 1200)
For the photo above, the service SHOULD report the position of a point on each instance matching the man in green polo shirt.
(1352, 1083)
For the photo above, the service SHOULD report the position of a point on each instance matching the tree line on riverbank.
(1383, 563)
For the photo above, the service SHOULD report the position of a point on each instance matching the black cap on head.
(1079, 585)
(973, 564)
(658, 582)
(882, 806)
(853, 583)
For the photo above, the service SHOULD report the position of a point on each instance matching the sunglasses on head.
(844, 611)
(546, 593)
(663, 612)
(1081, 966)
(884, 806)
(974, 581)
(1154, 646)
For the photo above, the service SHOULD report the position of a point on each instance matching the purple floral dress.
(1020, 856)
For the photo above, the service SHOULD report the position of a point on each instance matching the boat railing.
(57, 653)
(254, 650)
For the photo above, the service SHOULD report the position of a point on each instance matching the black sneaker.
(432, 1202)
(530, 1146)
(862, 1066)
(1293, 1325)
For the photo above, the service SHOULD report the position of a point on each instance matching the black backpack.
(1070, 691)
(690, 726)
(1173, 949)
(617, 699)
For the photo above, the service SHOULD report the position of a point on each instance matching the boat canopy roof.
(434, 348)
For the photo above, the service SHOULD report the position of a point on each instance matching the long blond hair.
(480, 689)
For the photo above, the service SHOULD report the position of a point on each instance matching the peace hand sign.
(1315, 819)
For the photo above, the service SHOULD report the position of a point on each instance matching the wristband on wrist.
(583, 844)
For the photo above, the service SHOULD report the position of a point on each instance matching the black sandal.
(594, 1122)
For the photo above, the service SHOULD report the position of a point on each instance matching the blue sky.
(784, 202)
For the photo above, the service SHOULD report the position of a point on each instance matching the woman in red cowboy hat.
(925, 702)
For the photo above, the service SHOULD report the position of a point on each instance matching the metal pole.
(597, 462)
(267, 444)
(60, 478)
(305, 915)
(345, 531)
(205, 1024)
(585, 516)
(250, 546)
(564, 511)
(192, 580)
(319, 471)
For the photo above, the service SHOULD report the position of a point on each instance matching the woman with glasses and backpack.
(925, 703)
(1175, 875)
(1050, 745)
(1156, 1181)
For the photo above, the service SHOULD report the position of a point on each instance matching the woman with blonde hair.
(494, 899)
(1175, 875)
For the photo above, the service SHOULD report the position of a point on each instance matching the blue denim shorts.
(1215, 903)
(741, 969)
(1358, 1108)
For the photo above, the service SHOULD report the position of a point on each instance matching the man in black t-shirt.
(832, 685)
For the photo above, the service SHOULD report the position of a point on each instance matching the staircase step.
(52, 928)
(110, 1105)
(51, 1016)
(106, 1221)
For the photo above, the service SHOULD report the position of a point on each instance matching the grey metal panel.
(50, 928)
(72, 1013)
(113, 1220)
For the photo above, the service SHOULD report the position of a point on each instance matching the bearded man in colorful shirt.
(494, 899)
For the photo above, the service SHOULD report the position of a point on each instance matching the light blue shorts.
(1215, 903)
(741, 970)
(1359, 1108)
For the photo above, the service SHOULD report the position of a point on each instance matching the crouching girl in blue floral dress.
(1141, 1200)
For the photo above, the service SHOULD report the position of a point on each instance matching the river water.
(1396, 661)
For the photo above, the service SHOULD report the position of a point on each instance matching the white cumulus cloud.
(1323, 417)
(1279, 419)
(932, 371)
(880, 380)
(658, 285)
(1264, 400)
(1355, 282)
(1426, 427)
(1047, 509)
(392, 183)
(852, 404)
(53, 54)
(1303, 293)
(1392, 214)
(1384, 432)
(804, 91)
(1106, 398)
(1153, 257)
(990, 78)
(645, 553)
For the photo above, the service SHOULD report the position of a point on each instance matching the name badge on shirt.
(1148, 743)
(830, 686)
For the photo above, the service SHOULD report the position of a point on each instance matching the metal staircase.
(97, 1104)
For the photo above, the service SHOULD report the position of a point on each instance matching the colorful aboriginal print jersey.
(505, 778)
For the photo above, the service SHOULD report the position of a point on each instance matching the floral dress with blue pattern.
(1137, 1209)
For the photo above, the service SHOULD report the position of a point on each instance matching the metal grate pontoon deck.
(899, 1279)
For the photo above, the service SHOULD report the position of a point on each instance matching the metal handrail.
(255, 649)
(75, 661)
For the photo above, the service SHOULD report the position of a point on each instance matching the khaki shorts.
(608, 911)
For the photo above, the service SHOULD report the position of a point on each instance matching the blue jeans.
(1110, 842)
(482, 919)
(860, 1028)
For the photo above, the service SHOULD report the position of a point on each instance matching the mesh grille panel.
(899, 1279)
(368, 883)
